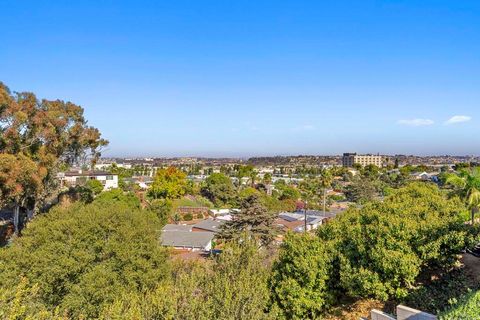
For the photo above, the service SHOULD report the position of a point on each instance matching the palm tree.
(325, 180)
(467, 184)
(253, 177)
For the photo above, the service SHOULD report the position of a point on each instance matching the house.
(192, 241)
(223, 214)
(208, 225)
(176, 228)
(295, 225)
(142, 181)
(296, 221)
(80, 177)
(182, 237)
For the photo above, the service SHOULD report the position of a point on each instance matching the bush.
(299, 281)
(83, 257)
(231, 286)
(188, 217)
(377, 251)
(467, 308)
(383, 247)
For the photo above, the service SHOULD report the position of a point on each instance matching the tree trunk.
(473, 216)
(16, 218)
(30, 213)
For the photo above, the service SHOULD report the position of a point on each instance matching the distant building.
(350, 159)
(80, 177)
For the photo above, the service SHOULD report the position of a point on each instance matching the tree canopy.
(219, 189)
(170, 183)
(82, 257)
(253, 219)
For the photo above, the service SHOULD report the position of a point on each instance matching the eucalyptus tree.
(53, 134)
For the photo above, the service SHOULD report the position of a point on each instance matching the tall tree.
(253, 219)
(325, 180)
(170, 183)
(20, 183)
(51, 133)
(218, 188)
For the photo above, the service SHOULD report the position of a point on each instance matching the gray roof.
(88, 173)
(314, 220)
(186, 239)
(176, 227)
(209, 225)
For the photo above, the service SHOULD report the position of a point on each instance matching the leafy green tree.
(288, 192)
(118, 196)
(267, 178)
(22, 302)
(231, 286)
(253, 219)
(361, 191)
(170, 183)
(467, 184)
(95, 186)
(383, 247)
(299, 280)
(219, 189)
(20, 183)
(82, 257)
(51, 133)
(162, 208)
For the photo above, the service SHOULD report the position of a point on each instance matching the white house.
(80, 177)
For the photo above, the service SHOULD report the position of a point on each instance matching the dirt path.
(472, 267)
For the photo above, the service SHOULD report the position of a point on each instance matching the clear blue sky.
(241, 78)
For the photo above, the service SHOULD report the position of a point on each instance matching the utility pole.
(305, 217)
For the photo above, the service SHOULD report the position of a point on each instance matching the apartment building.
(350, 159)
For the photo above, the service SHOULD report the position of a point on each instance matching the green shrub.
(83, 257)
(467, 308)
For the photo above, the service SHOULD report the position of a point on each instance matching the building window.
(109, 177)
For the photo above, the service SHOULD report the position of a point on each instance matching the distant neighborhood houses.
(80, 177)
(200, 236)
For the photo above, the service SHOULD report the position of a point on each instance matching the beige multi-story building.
(350, 159)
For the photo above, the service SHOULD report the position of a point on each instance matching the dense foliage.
(231, 286)
(377, 251)
(467, 308)
(82, 257)
(43, 135)
(254, 220)
(219, 189)
(299, 281)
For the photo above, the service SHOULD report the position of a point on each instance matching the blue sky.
(243, 78)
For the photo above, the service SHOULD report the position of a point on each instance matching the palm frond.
(473, 198)
(455, 181)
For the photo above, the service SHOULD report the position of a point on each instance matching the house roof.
(176, 227)
(314, 220)
(291, 216)
(87, 173)
(209, 225)
(291, 225)
(186, 239)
